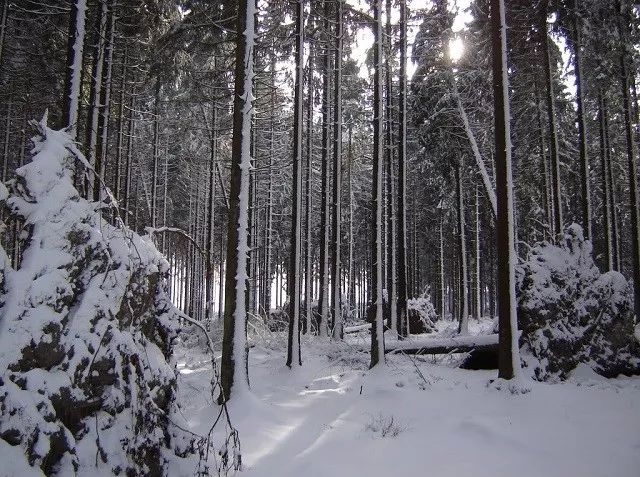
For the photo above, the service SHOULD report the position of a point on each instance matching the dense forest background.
(235, 170)
(155, 109)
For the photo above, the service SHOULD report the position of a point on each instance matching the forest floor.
(332, 417)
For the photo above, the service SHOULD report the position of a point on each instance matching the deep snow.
(333, 417)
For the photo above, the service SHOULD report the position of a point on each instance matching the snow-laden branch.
(486, 180)
(158, 230)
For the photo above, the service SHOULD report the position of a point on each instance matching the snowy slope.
(328, 419)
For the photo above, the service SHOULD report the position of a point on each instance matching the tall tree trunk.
(582, 130)
(377, 336)
(336, 292)
(101, 156)
(486, 180)
(117, 182)
(234, 372)
(129, 159)
(401, 278)
(6, 141)
(606, 185)
(94, 101)
(294, 279)
(156, 154)
(508, 352)
(547, 189)
(478, 305)
(4, 20)
(463, 324)
(553, 130)
(351, 279)
(308, 290)
(213, 157)
(614, 209)
(634, 201)
(75, 46)
(442, 281)
(390, 237)
(323, 300)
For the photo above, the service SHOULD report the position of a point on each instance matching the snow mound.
(570, 313)
(87, 384)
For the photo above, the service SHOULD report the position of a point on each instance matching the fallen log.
(356, 328)
(456, 344)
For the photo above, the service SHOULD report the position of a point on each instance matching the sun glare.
(456, 49)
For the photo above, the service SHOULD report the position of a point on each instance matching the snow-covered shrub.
(422, 315)
(384, 426)
(85, 332)
(570, 313)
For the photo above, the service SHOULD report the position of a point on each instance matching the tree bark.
(463, 323)
(582, 130)
(606, 186)
(377, 336)
(94, 101)
(308, 290)
(234, 371)
(294, 279)
(632, 166)
(336, 293)
(323, 300)
(553, 130)
(75, 47)
(508, 353)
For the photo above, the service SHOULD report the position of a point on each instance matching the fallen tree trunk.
(457, 344)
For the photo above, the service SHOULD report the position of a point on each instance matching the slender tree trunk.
(486, 180)
(477, 257)
(377, 336)
(336, 293)
(129, 158)
(294, 279)
(401, 231)
(508, 351)
(156, 154)
(582, 130)
(323, 301)
(96, 90)
(234, 372)
(389, 237)
(547, 189)
(4, 17)
(101, 160)
(221, 274)
(309, 190)
(443, 295)
(463, 324)
(553, 131)
(634, 201)
(75, 46)
(351, 278)
(614, 208)
(117, 182)
(213, 149)
(606, 186)
(6, 142)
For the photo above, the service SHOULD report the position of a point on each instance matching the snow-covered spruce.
(570, 313)
(85, 333)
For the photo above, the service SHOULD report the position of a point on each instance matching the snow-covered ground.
(333, 417)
